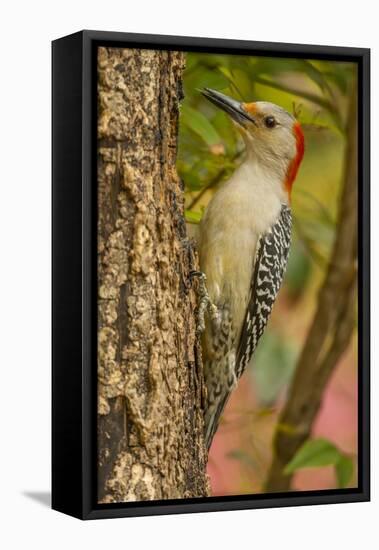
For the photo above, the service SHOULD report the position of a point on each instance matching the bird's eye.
(270, 122)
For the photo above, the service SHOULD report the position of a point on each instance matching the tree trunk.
(150, 380)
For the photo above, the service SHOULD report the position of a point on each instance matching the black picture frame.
(74, 275)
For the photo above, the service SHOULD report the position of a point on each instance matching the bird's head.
(272, 135)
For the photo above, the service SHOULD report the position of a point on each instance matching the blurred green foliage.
(210, 149)
(321, 452)
(274, 362)
(298, 268)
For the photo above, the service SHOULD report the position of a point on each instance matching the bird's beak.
(234, 108)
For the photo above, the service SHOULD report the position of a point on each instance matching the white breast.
(245, 207)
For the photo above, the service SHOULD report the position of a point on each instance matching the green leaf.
(192, 60)
(202, 76)
(193, 217)
(275, 65)
(314, 453)
(226, 131)
(199, 124)
(344, 470)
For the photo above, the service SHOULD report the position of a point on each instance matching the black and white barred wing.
(269, 266)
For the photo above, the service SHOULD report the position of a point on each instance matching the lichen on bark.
(150, 381)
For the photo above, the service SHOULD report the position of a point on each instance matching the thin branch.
(314, 98)
(213, 182)
(332, 326)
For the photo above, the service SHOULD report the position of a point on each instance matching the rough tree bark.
(150, 384)
(332, 326)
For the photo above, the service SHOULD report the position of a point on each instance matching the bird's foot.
(205, 302)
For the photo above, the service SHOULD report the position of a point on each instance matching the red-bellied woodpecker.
(245, 237)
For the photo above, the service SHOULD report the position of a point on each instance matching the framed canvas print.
(210, 274)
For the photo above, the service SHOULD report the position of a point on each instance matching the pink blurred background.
(241, 451)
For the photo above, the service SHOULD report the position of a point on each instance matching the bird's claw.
(205, 303)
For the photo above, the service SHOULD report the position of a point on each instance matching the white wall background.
(26, 31)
